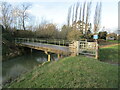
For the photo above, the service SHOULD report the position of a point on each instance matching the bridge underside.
(63, 50)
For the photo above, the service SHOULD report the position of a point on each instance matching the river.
(15, 67)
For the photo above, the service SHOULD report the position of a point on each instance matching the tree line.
(16, 19)
(79, 16)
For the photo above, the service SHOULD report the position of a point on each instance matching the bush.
(23, 33)
(8, 36)
(74, 35)
(90, 40)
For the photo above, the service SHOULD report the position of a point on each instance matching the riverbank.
(70, 72)
(17, 66)
(10, 50)
(79, 71)
(12, 54)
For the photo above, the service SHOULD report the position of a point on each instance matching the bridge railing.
(45, 41)
(75, 47)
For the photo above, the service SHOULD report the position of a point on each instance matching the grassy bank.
(109, 54)
(70, 72)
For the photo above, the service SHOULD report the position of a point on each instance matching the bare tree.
(97, 17)
(87, 16)
(69, 15)
(6, 9)
(24, 16)
(15, 16)
(83, 16)
(73, 13)
(80, 12)
(76, 13)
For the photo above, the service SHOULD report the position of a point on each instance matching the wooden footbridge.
(60, 47)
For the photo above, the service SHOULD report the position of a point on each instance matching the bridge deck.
(47, 47)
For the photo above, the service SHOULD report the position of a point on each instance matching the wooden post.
(48, 57)
(77, 47)
(96, 56)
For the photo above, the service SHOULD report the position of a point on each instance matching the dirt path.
(105, 46)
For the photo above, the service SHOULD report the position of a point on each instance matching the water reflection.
(14, 67)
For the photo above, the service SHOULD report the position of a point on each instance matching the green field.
(109, 54)
(70, 72)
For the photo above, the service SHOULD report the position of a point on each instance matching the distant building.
(111, 36)
(80, 25)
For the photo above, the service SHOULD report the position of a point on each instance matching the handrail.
(48, 41)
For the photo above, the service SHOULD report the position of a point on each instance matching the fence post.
(96, 56)
(77, 47)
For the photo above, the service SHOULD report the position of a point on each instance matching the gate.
(88, 48)
(84, 47)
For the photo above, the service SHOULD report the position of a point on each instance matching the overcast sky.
(55, 11)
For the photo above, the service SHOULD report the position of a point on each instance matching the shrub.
(74, 35)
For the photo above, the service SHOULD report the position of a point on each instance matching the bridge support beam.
(48, 55)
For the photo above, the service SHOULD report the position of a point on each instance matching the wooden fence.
(84, 47)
